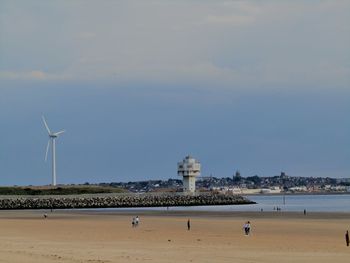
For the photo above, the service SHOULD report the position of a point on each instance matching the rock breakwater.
(118, 201)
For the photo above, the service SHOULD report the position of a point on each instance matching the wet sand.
(107, 236)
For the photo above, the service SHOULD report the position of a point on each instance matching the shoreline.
(36, 213)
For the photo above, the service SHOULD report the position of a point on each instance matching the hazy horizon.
(256, 86)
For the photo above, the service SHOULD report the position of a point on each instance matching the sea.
(292, 203)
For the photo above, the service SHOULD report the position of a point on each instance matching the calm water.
(315, 203)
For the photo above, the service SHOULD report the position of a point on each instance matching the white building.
(189, 169)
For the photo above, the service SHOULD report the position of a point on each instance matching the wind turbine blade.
(58, 133)
(47, 127)
(47, 149)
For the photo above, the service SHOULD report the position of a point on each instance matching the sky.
(256, 86)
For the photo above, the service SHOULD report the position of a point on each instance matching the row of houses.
(277, 189)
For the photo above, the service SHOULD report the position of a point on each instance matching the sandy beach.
(162, 236)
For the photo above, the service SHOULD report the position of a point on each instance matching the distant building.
(265, 191)
(189, 169)
(298, 189)
(283, 175)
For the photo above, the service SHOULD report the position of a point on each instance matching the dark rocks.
(119, 200)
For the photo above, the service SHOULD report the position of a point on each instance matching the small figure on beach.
(304, 212)
(188, 225)
(45, 216)
(246, 228)
(133, 222)
(137, 221)
(347, 240)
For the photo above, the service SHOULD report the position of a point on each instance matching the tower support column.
(189, 169)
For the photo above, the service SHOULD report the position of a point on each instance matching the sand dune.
(163, 237)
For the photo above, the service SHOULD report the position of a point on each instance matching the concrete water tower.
(189, 169)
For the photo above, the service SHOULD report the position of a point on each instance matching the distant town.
(238, 184)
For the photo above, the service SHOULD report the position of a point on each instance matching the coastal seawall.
(118, 201)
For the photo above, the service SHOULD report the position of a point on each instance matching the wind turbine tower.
(52, 139)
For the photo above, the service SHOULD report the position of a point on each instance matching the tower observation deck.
(189, 169)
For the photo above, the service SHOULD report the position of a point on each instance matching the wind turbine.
(52, 138)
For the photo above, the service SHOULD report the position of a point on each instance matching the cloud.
(245, 44)
(8, 75)
(87, 35)
(29, 75)
(37, 74)
(233, 20)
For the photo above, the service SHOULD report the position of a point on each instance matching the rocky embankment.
(109, 201)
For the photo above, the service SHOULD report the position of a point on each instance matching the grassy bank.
(67, 190)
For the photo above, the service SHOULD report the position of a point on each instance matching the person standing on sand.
(188, 225)
(347, 240)
(137, 221)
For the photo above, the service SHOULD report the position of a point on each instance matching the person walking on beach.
(304, 212)
(347, 240)
(188, 225)
(137, 221)
(246, 228)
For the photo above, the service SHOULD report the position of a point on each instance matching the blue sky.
(258, 86)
